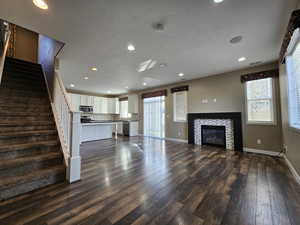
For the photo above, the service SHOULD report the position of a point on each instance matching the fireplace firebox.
(213, 135)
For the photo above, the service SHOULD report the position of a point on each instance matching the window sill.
(294, 129)
(261, 123)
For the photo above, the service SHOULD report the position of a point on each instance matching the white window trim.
(273, 108)
(174, 108)
(295, 40)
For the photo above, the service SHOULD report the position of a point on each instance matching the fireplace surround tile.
(235, 117)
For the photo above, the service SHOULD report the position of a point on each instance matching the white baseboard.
(258, 151)
(271, 153)
(168, 139)
(292, 169)
(176, 140)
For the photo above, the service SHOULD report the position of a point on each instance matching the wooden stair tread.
(35, 175)
(14, 147)
(27, 123)
(29, 159)
(27, 133)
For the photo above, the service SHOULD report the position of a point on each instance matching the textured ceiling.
(195, 40)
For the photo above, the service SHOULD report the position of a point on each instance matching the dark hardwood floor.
(148, 181)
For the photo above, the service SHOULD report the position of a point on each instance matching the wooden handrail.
(2, 57)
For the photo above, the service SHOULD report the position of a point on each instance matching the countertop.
(106, 122)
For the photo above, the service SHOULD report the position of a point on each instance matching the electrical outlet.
(258, 141)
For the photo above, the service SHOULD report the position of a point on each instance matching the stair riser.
(7, 75)
(28, 101)
(23, 87)
(20, 70)
(7, 193)
(37, 108)
(27, 79)
(25, 118)
(13, 154)
(17, 171)
(28, 128)
(12, 63)
(22, 140)
(19, 93)
(20, 83)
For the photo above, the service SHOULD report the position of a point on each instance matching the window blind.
(293, 68)
(180, 106)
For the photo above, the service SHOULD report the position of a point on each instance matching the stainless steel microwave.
(86, 109)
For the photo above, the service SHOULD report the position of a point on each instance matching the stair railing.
(68, 126)
(5, 36)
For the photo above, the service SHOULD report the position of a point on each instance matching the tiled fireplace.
(218, 129)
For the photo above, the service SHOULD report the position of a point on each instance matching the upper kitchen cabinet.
(133, 103)
(75, 102)
(100, 105)
(113, 105)
(86, 100)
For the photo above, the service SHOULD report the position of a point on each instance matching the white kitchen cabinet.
(113, 105)
(133, 103)
(86, 100)
(100, 105)
(74, 101)
(96, 131)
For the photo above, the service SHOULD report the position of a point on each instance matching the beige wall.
(229, 92)
(26, 45)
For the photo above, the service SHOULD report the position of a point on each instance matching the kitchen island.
(94, 131)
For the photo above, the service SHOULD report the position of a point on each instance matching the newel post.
(74, 169)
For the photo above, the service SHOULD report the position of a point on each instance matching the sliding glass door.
(154, 117)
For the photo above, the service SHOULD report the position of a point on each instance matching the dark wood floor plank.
(139, 181)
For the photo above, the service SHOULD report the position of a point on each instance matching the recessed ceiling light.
(94, 69)
(145, 84)
(242, 59)
(181, 74)
(126, 87)
(218, 1)
(72, 85)
(131, 47)
(42, 4)
(109, 92)
(86, 78)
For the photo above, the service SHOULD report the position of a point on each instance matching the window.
(154, 117)
(293, 71)
(124, 110)
(180, 106)
(260, 102)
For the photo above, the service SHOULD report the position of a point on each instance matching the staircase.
(30, 155)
